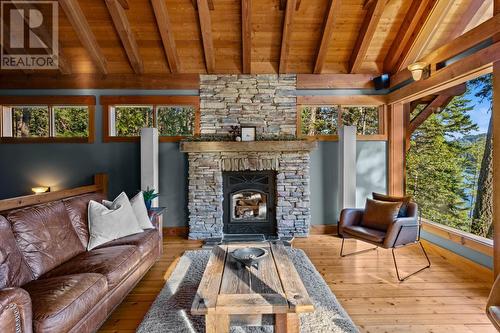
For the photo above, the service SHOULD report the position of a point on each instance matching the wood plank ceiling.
(206, 36)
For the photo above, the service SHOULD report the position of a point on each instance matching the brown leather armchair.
(493, 306)
(403, 231)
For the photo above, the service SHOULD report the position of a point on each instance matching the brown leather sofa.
(493, 306)
(50, 283)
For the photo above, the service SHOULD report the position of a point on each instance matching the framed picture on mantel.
(248, 133)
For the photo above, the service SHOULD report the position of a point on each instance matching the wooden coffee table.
(244, 295)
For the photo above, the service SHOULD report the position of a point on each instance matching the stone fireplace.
(259, 187)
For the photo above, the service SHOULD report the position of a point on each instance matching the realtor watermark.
(29, 35)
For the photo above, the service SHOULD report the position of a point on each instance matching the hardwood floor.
(449, 297)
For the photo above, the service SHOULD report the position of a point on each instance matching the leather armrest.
(494, 304)
(15, 311)
(157, 221)
(350, 217)
(494, 299)
(406, 228)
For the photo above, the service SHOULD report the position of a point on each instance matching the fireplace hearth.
(249, 202)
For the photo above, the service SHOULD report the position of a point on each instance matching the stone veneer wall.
(266, 101)
(269, 103)
(206, 189)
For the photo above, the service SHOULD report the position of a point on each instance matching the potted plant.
(149, 195)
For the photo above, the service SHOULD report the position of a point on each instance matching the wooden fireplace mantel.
(260, 146)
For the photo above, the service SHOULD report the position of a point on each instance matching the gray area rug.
(171, 310)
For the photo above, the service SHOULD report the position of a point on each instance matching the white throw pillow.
(109, 223)
(141, 212)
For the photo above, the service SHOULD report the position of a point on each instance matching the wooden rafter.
(408, 29)
(328, 28)
(463, 70)
(477, 35)
(124, 30)
(210, 4)
(429, 22)
(206, 34)
(77, 19)
(246, 35)
(167, 35)
(366, 33)
(124, 4)
(286, 35)
(475, 11)
(439, 101)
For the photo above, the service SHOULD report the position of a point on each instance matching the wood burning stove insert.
(249, 202)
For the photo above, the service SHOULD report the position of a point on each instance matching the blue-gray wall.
(371, 176)
(59, 165)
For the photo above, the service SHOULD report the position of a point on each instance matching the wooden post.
(101, 180)
(496, 156)
(396, 158)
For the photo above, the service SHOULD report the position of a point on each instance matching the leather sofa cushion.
(403, 211)
(45, 236)
(113, 262)
(494, 314)
(59, 303)
(380, 214)
(14, 271)
(77, 208)
(145, 241)
(372, 235)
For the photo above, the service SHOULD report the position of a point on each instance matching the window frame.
(50, 101)
(108, 102)
(343, 101)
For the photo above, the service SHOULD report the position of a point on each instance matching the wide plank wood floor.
(449, 297)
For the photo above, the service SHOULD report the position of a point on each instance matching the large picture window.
(47, 119)
(319, 118)
(176, 117)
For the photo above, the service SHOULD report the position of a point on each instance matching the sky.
(481, 113)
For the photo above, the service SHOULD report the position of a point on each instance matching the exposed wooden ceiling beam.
(167, 34)
(77, 19)
(283, 4)
(328, 28)
(206, 34)
(246, 35)
(409, 27)
(99, 81)
(285, 37)
(460, 44)
(463, 70)
(476, 10)
(429, 22)
(335, 81)
(124, 4)
(440, 101)
(210, 4)
(124, 30)
(365, 36)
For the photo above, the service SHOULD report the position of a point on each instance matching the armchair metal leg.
(352, 253)
(401, 279)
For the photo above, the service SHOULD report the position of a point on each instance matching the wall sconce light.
(417, 70)
(40, 189)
